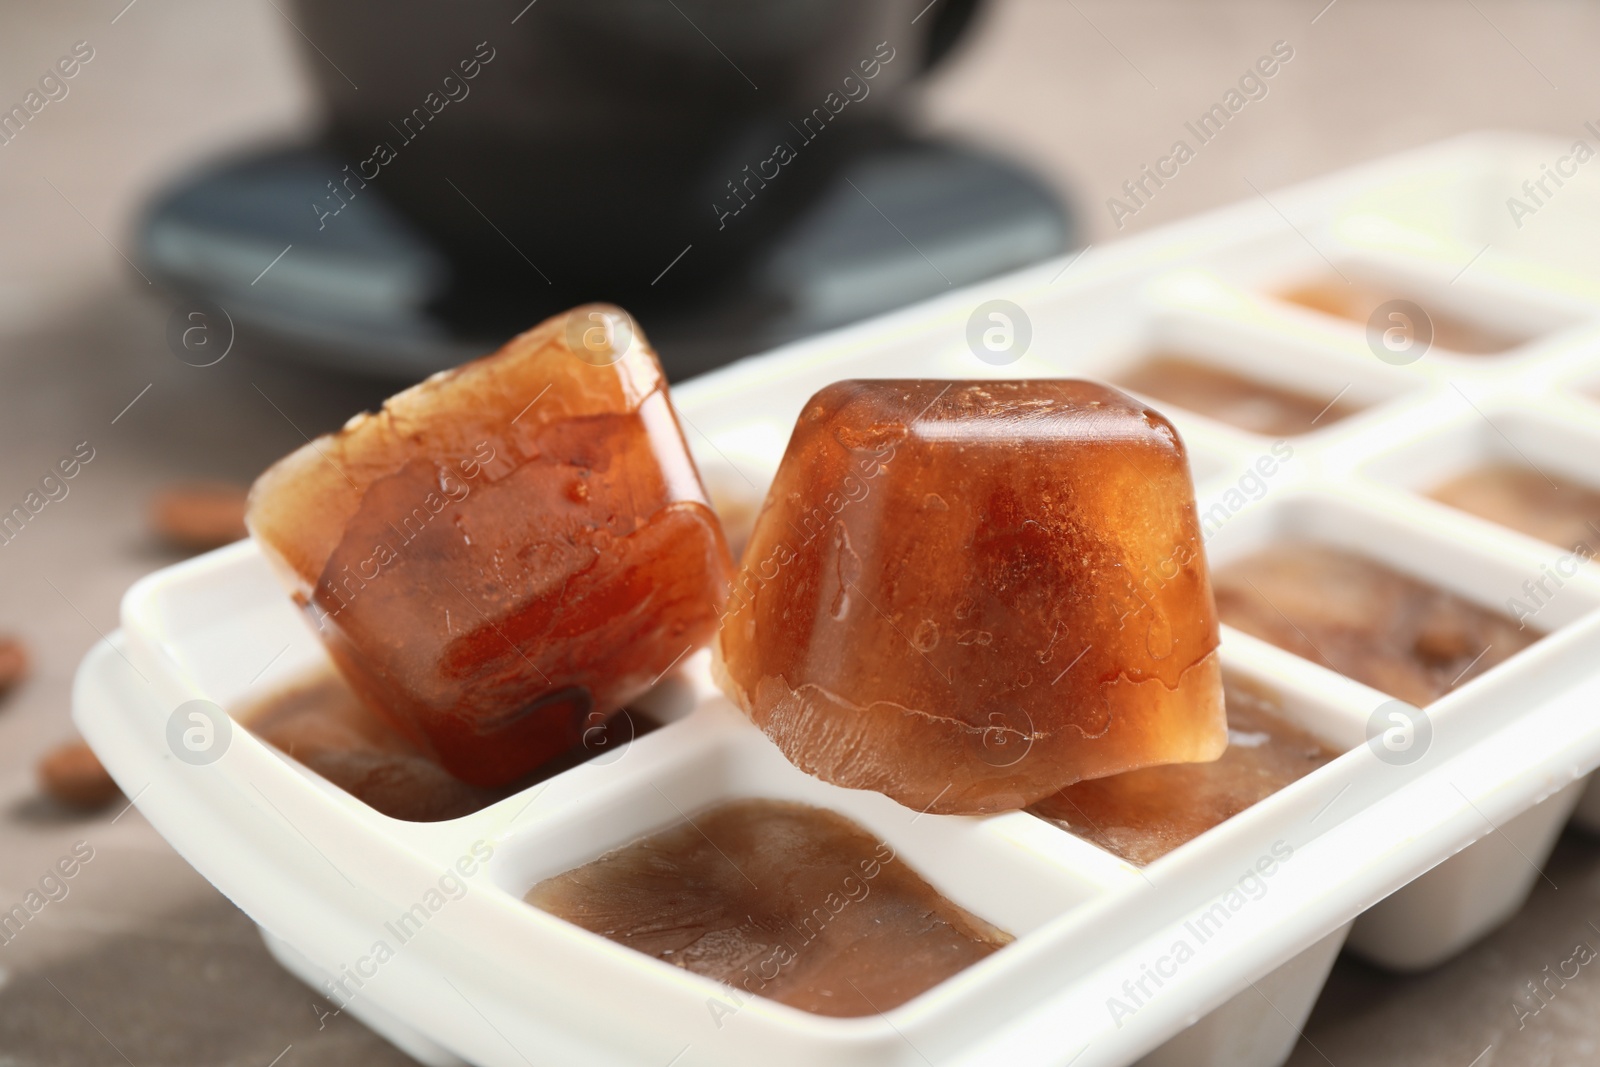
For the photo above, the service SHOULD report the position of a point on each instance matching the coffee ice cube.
(1360, 299)
(967, 595)
(782, 900)
(1561, 513)
(506, 550)
(1366, 620)
(1248, 403)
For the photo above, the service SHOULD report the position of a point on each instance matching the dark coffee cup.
(602, 148)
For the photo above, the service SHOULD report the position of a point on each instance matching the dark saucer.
(900, 220)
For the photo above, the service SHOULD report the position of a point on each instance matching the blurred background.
(199, 161)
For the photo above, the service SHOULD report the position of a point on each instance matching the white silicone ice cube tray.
(1213, 954)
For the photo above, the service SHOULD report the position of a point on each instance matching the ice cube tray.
(1213, 954)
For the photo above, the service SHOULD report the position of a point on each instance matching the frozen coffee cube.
(1564, 514)
(1248, 403)
(1364, 300)
(506, 551)
(1368, 621)
(967, 595)
(781, 900)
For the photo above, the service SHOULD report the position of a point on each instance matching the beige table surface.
(143, 963)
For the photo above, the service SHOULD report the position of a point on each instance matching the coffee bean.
(72, 776)
(199, 517)
(14, 662)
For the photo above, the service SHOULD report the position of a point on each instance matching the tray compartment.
(1014, 880)
(1259, 1026)
(1467, 896)
(1471, 321)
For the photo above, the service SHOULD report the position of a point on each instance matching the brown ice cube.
(787, 901)
(1558, 512)
(506, 549)
(967, 595)
(1142, 815)
(1365, 620)
(322, 724)
(1357, 300)
(1247, 403)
